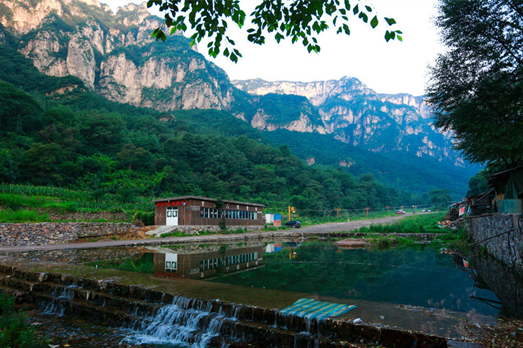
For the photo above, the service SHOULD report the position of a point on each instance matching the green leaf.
(369, 9)
(390, 21)
(374, 22)
(356, 9)
(400, 38)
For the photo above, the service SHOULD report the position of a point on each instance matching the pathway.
(316, 229)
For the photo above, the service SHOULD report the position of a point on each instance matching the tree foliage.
(440, 198)
(296, 20)
(476, 86)
(80, 140)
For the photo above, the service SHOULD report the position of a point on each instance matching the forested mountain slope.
(108, 81)
(54, 131)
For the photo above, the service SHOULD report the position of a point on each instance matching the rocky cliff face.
(114, 54)
(355, 114)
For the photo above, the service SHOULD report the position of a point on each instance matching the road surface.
(316, 229)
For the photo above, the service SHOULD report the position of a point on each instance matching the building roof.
(179, 198)
(502, 175)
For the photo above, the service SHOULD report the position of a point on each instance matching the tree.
(297, 20)
(478, 183)
(440, 197)
(476, 87)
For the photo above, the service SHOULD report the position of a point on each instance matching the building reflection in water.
(206, 264)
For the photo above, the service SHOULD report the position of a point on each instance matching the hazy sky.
(393, 67)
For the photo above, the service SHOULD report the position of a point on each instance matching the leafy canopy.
(476, 86)
(297, 20)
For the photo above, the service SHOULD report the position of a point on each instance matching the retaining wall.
(489, 231)
(196, 229)
(85, 216)
(57, 232)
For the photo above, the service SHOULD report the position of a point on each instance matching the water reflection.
(415, 276)
(206, 264)
(505, 282)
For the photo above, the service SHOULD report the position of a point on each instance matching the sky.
(393, 67)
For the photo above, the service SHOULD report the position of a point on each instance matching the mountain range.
(338, 123)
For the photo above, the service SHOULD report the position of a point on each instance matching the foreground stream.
(416, 288)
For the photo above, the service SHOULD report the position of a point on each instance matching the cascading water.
(185, 322)
(56, 306)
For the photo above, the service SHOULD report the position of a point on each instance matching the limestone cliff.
(355, 114)
(114, 54)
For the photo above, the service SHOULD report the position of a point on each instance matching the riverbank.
(317, 230)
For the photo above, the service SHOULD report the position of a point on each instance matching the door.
(172, 216)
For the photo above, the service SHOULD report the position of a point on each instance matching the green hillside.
(56, 133)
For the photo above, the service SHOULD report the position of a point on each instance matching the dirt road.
(223, 238)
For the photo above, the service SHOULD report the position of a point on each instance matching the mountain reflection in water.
(416, 276)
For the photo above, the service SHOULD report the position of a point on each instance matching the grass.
(454, 239)
(17, 196)
(15, 329)
(19, 216)
(32, 206)
(385, 242)
(316, 220)
(425, 223)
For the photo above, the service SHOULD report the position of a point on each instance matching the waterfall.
(56, 305)
(185, 322)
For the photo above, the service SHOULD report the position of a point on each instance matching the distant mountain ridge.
(114, 56)
(355, 114)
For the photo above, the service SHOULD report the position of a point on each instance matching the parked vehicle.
(293, 224)
(400, 211)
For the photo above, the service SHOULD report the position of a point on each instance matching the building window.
(201, 212)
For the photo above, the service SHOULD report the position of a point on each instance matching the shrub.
(22, 216)
(15, 331)
(147, 218)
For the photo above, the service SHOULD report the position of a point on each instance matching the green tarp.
(514, 185)
(311, 309)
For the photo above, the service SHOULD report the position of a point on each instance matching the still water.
(416, 287)
(414, 276)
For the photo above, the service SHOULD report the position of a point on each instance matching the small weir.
(179, 324)
(157, 318)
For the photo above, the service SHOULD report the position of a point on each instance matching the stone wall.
(58, 232)
(196, 229)
(85, 216)
(489, 231)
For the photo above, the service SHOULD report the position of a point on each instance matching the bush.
(9, 215)
(15, 331)
(147, 218)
